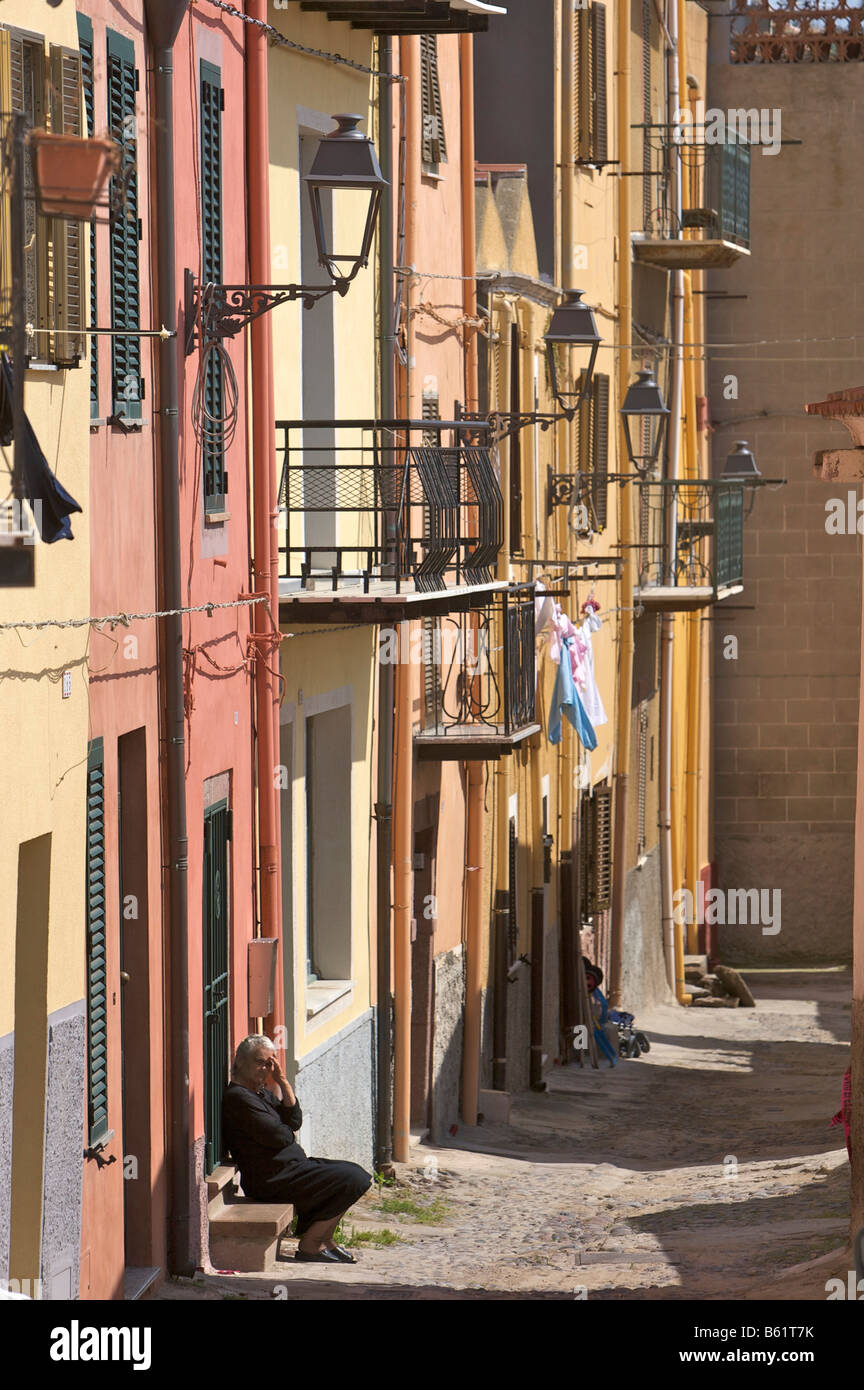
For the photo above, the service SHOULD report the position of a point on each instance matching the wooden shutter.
(97, 986)
(67, 237)
(22, 89)
(596, 850)
(127, 387)
(598, 95)
(589, 110)
(434, 143)
(600, 447)
(85, 44)
(212, 105)
(601, 835)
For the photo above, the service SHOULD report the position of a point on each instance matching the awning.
(410, 16)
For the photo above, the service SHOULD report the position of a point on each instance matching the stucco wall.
(449, 968)
(335, 1087)
(64, 1116)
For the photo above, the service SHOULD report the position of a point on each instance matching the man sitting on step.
(259, 1133)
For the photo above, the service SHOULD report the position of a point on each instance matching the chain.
(283, 42)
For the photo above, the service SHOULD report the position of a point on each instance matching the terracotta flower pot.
(70, 172)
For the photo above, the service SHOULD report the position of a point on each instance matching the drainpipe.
(164, 18)
(403, 787)
(386, 680)
(625, 523)
(498, 961)
(475, 781)
(672, 932)
(264, 493)
(403, 880)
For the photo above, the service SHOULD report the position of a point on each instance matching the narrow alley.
(704, 1170)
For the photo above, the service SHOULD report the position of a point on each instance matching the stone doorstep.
(245, 1235)
(218, 1180)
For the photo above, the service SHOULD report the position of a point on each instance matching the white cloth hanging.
(590, 694)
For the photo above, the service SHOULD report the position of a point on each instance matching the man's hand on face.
(275, 1076)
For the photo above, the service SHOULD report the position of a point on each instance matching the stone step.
(245, 1235)
(219, 1179)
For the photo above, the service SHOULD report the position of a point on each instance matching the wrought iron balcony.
(386, 509)
(479, 689)
(714, 227)
(691, 543)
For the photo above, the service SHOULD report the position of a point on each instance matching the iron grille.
(708, 524)
(718, 179)
(402, 509)
(798, 32)
(485, 668)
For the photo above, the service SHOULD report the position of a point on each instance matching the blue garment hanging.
(565, 700)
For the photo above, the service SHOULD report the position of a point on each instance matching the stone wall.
(335, 1085)
(786, 689)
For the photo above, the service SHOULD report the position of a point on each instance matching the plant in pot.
(70, 172)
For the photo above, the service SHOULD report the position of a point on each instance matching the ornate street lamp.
(345, 172)
(572, 326)
(740, 465)
(645, 407)
(346, 167)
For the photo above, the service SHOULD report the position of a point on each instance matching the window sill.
(216, 518)
(430, 172)
(124, 425)
(325, 993)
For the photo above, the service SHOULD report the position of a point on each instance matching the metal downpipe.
(164, 18)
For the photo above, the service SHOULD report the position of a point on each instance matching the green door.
(217, 833)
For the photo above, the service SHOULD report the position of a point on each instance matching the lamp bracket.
(505, 424)
(222, 311)
(561, 489)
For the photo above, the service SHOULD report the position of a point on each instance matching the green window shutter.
(85, 44)
(97, 989)
(512, 890)
(212, 106)
(600, 447)
(127, 386)
(434, 144)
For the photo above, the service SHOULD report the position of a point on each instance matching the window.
(434, 143)
(47, 91)
(212, 106)
(85, 44)
(127, 389)
(216, 907)
(97, 989)
(589, 87)
(328, 845)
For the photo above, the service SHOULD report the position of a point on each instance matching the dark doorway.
(217, 833)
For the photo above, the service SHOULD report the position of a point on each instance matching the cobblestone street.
(705, 1170)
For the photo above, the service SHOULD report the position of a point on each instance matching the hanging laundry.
(563, 632)
(566, 700)
(39, 483)
(591, 695)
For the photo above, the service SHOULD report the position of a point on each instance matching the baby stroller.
(631, 1042)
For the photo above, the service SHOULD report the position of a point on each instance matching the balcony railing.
(691, 542)
(480, 679)
(714, 225)
(413, 504)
